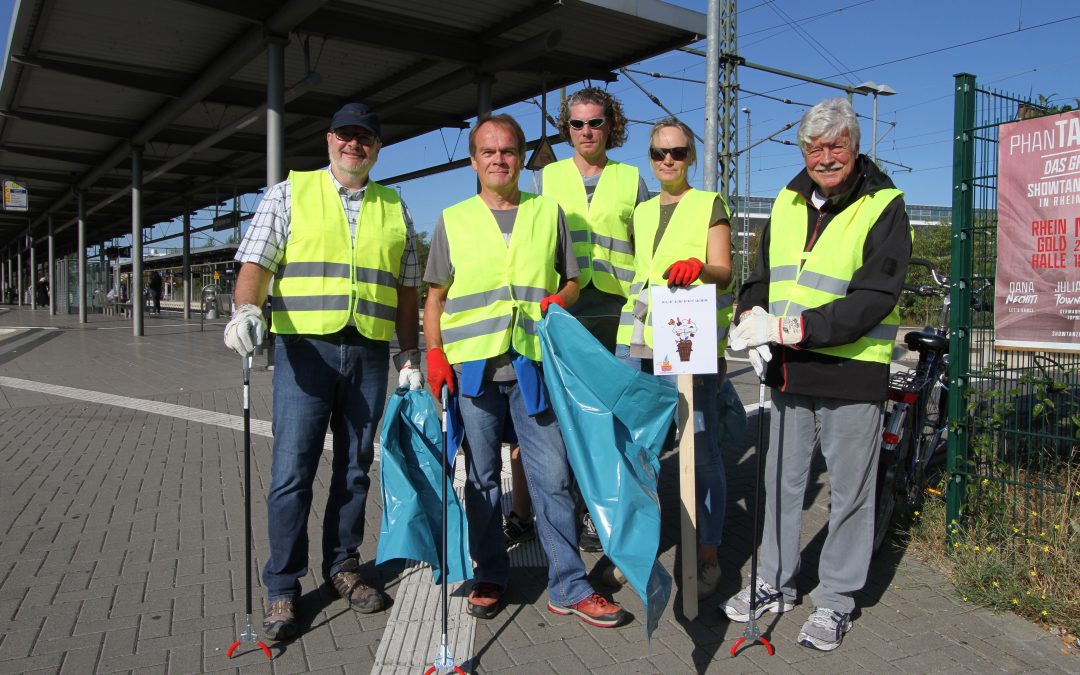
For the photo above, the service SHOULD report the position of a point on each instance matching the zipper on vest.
(813, 236)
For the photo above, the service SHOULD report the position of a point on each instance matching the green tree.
(932, 243)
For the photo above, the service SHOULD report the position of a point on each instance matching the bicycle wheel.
(891, 486)
(932, 443)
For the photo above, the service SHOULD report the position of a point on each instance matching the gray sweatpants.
(850, 437)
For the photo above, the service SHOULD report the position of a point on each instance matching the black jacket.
(871, 295)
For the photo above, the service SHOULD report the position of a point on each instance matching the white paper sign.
(684, 330)
(15, 196)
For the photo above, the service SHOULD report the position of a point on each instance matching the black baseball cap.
(356, 114)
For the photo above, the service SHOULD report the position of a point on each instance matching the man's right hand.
(439, 371)
(245, 330)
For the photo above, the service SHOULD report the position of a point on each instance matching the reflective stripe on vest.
(494, 300)
(324, 276)
(598, 227)
(801, 280)
(686, 236)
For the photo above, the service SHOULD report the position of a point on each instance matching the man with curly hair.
(598, 196)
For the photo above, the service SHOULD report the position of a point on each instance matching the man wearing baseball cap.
(340, 251)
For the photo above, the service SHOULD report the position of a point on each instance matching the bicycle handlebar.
(927, 290)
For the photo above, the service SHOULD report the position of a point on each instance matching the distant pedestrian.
(155, 290)
(42, 292)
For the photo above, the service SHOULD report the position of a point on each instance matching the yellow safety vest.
(686, 236)
(494, 299)
(801, 280)
(598, 228)
(324, 277)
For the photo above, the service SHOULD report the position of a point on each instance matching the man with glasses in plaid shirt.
(341, 253)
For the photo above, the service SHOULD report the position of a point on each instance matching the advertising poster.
(684, 330)
(15, 196)
(1037, 294)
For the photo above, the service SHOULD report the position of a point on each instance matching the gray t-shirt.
(440, 271)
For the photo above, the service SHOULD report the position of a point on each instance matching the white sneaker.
(767, 598)
(825, 629)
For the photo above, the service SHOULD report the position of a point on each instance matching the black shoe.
(518, 530)
(484, 600)
(589, 540)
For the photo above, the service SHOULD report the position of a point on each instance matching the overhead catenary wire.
(821, 49)
(655, 100)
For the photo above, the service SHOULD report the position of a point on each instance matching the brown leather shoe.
(280, 620)
(349, 585)
(484, 600)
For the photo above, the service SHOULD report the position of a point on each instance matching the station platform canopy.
(185, 81)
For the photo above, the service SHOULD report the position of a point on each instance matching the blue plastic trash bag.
(411, 475)
(614, 421)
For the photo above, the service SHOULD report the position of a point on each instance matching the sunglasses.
(677, 154)
(594, 123)
(347, 136)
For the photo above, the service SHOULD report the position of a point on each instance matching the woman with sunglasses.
(682, 237)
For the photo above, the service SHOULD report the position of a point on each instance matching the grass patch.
(1008, 555)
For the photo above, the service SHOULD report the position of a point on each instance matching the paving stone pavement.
(122, 540)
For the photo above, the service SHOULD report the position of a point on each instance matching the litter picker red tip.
(247, 631)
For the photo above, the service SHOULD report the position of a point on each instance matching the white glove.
(245, 330)
(758, 327)
(759, 356)
(408, 364)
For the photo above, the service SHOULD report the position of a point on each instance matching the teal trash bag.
(614, 420)
(410, 477)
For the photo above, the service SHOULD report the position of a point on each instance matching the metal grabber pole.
(247, 631)
(752, 633)
(444, 660)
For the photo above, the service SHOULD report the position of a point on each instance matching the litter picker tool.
(752, 633)
(444, 660)
(247, 631)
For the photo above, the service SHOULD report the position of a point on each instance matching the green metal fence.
(1014, 453)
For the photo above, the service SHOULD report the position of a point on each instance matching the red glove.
(554, 299)
(439, 371)
(683, 272)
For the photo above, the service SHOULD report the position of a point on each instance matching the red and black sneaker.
(595, 610)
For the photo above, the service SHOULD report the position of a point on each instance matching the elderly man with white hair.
(823, 296)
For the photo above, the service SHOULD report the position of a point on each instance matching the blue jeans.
(548, 475)
(336, 381)
(710, 478)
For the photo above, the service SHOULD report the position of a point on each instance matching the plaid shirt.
(265, 240)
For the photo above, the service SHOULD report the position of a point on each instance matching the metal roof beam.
(219, 70)
(162, 83)
(81, 123)
(398, 33)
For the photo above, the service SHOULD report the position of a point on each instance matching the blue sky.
(1024, 47)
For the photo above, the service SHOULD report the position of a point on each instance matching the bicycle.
(914, 433)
